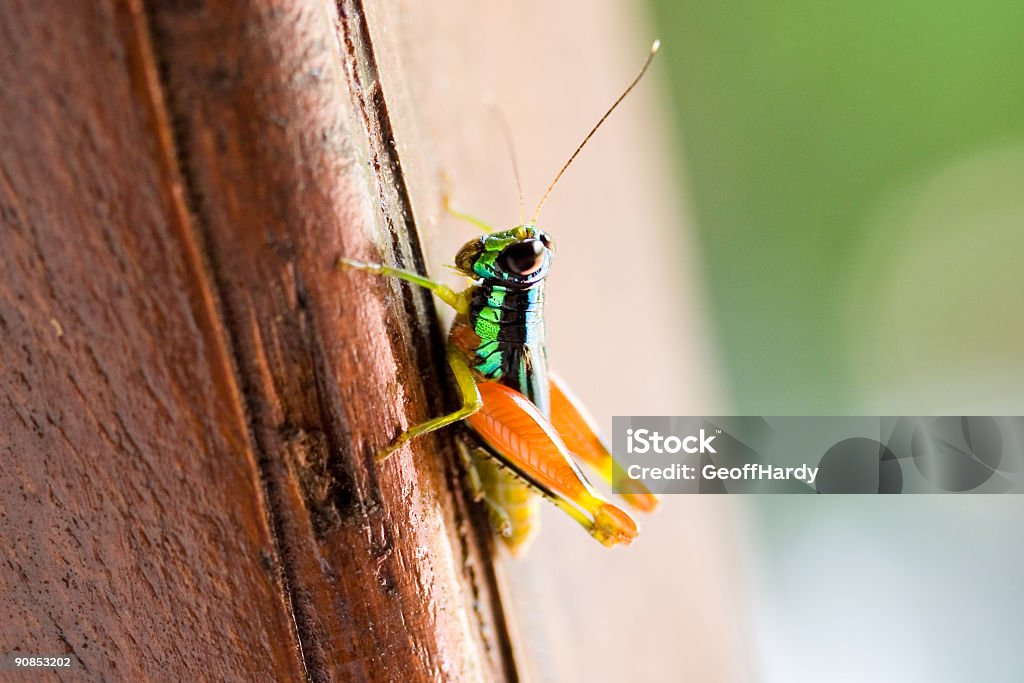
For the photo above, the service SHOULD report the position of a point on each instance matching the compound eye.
(522, 258)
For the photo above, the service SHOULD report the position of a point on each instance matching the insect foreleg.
(446, 201)
(471, 402)
(469, 219)
(445, 293)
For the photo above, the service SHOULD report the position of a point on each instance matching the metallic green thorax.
(506, 312)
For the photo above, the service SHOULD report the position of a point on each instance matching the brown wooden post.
(190, 395)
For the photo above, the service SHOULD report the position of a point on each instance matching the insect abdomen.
(519, 503)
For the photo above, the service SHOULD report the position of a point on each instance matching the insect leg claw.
(390, 449)
(344, 263)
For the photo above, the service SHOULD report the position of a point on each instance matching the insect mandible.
(526, 430)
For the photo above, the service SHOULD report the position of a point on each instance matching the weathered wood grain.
(132, 521)
(291, 164)
(191, 395)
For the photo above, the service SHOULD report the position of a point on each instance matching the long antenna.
(506, 133)
(643, 70)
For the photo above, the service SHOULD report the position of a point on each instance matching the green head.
(518, 257)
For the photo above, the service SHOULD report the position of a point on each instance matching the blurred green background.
(855, 173)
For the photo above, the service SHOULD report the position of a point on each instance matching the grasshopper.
(526, 430)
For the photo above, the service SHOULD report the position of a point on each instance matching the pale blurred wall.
(855, 175)
(627, 326)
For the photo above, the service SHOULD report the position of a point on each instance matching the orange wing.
(527, 443)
